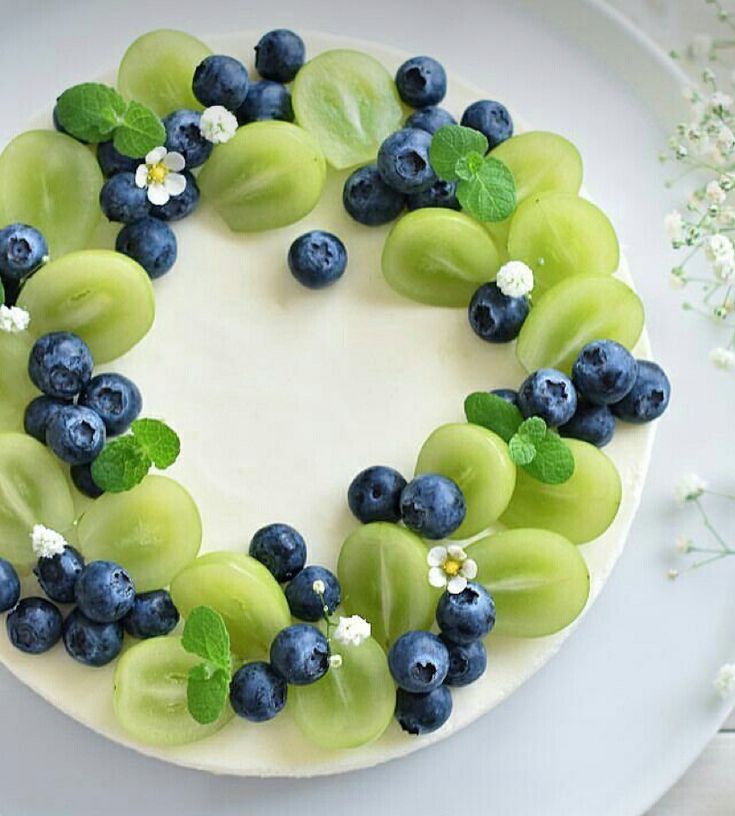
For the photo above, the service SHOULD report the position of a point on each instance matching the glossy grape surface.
(16, 388)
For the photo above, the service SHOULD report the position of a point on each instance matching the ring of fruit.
(480, 544)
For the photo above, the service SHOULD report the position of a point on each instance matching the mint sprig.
(493, 413)
(208, 684)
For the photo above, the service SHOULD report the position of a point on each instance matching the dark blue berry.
(490, 118)
(604, 372)
(59, 574)
(279, 55)
(39, 413)
(440, 194)
(105, 592)
(122, 200)
(549, 394)
(369, 200)
(466, 616)
(12, 290)
(153, 615)
(375, 494)
(184, 136)
(9, 586)
(649, 396)
(257, 692)
(266, 100)
(403, 161)
(81, 475)
(317, 259)
(90, 642)
(303, 600)
(421, 81)
(111, 161)
(180, 206)
(418, 661)
(150, 242)
(467, 662)
(300, 654)
(281, 549)
(34, 626)
(432, 506)
(419, 714)
(495, 317)
(507, 394)
(591, 423)
(115, 399)
(430, 119)
(221, 80)
(60, 364)
(76, 435)
(22, 250)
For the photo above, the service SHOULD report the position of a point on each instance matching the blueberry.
(105, 592)
(281, 549)
(90, 642)
(418, 661)
(178, 207)
(111, 161)
(257, 692)
(466, 616)
(122, 200)
(81, 475)
(317, 259)
(375, 494)
(220, 80)
(115, 399)
(421, 81)
(279, 55)
(467, 662)
(60, 364)
(648, 398)
(591, 423)
(34, 626)
(9, 586)
(403, 161)
(440, 194)
(369, 200)
(495, 317)
(12, 290)
(22, 250)
(184, 136)
(507, 394)
(549, 394)
(150, 242)
(303, 600)
(419, 714)
(430, 119)
(432, 506)
(266, 100)
(300, 654)
(604, 372)
(39, 413)
(490, 118)
(59, 574)
(153, 614)
(76, 435)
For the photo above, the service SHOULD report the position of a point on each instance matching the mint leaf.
(533, 430)
(206, 636)
(139, 131)
(121, 465)
(207, 690)
(161, 443)
(468, 166)
(490, 195)
(522, 450)
(494, 413)
(90, 111)
(554, 461)
(452, 143)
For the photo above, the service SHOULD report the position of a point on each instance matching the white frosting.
(279, 402)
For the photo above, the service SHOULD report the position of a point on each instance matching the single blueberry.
(421, 81)
(266, 100)
(122, 200)
(150, 242)
(115, 399)
(317, 259)
(430, 119)
(111, 161)
(403, 161)
(549, 394)
(76, 435)
(22, 250)
(418, 661)
(90, 642)
(604, 372)
(303, 600)
(440, 194)
(375, 494)
(649, 396)
(369, 200)
(279, 55)
(60, 364)
(257, 692)
(467, 662)
(281, 549)
(300, 654)
(81, 475)
(39, 412)
(507, 394)
(184, 136)
(466, 616)
(490, 118)
(105, 592)
(432, 506)
(221, 80)
(58, 575)
(495, 317)
(9, 586)
(34, 626)
(419, 714)
(591, 423)
(180, 206)
(153, 614)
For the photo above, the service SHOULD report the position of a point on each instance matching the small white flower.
(683, 544)
(719, 248)
(724, 270)
(672, 574)
(319, 587)
(335, 661)
(451, 568)
(13, 319)
(714, 192)
(161, 175)
(700, 47)
(218, 125)
(727, 216)
(691, 94)
(725, 139)
(515, 279)
(46, 543)
(674, 226)
(723, 358)
(676, 281)
(720, 101)
(725, 680)
(352, 631)
(689, 488)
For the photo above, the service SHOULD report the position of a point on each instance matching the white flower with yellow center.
(218, 125)
(161, 175)
(46, 543)
(451, 568)
(13, 320)
(352, 631)
(515, 279)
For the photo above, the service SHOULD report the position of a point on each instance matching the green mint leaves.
(95, 113)
(206, 636)
(125, 461)
(493, 413)
(485, 186)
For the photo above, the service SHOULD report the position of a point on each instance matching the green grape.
(150, 694)
(580, 509)
(351, 705)
(349, 102)
(51, 181)
(158, 68)
(104, 297)
(33, 490)
(439, 257)
(538, 579)
(559, 235)
(243, 591)
(268, 175)
(384, 576)
(153, 530)
(575, 312)
(479, 462)
(16, 388)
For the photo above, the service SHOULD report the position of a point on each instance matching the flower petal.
(174, 161)
(469, 569)
(456, 552)
(156, 155)
(158, 195)
(437, 577)
(457, 584)
(175, 184)
(141, 176)
(437, 556)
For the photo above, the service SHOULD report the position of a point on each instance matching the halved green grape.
(268, 175)
(51, 181)
(158, 68)
(351, 705)
(33, 490)
(538, 579)
(479, 462)
(16, 388)
(560, 235)
(104, 297)
(150, 694)
(580, 509)
(572, 314)
(349, 102)
(153, 530)
(439, 256)
(243, 591)
(384, 576)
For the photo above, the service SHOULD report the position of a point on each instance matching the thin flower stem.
(710, 527)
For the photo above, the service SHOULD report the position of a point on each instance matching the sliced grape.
(269, 175)
(352, 704)
(384, 575)
(16, 389)
(150, 694)
(580, 509)
(158, 68)
(33, 490)
(439, 256)
(52, 182)
(153, 530)
(538, 579)
(559, 235)
(243, 591)
(104, 297)
(349, 102)
(572, 314)
(478, 461)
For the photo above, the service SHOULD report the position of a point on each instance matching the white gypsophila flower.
(672, 574)
(689, 487)
(724, 270)
(218, 125)
(683, 544)
(720, 101)
(515, 279)
(13, 319)
(161, 175)
(719, 248)
(676, 281)
(46, 543)
(724, 680)
(700, 47)
(725, 139)
(723, 358)
(451, 568)
(726, 216)
(674, 226)
(335, 661)
(352, 631)
(714, 192)
(319, 587)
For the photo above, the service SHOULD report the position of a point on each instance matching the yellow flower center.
(157, 173)
(452, 567)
